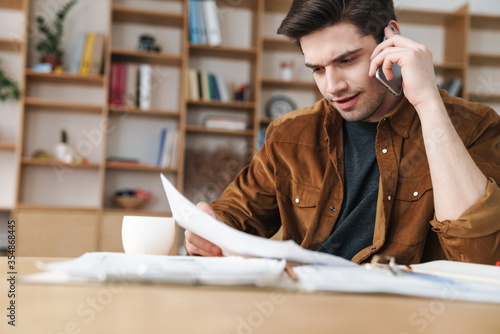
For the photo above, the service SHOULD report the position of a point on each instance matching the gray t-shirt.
(353, 230)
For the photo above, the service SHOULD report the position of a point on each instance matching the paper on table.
(469, 271)
(234, 242)
(363, 280)
(105, 266)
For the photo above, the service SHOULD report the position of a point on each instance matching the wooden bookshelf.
(65, 78)
(222, 52)
(481, 59)
(206, 130)
(6, 146)
(142, 16)
(142, 112)
(37, 104)
(55, 163)
(11, 4)
(141, 168)
(12, 45)
(145, 57)
(223, 105)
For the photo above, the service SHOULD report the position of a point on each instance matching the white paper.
(363, 280)
(107, 266)
(234, 242)
(469, 271)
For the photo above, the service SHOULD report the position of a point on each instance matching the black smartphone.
(395, 85)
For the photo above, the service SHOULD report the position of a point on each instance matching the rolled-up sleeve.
(475, 235)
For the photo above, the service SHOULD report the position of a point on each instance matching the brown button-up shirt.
(296, 182)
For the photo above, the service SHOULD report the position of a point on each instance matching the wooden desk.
(132, 308)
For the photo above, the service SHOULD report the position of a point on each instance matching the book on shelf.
(145, 82)
(87, 58)
(206, 86)
(118, 161)
(130, 85)
(226, 122)
(169, 151)
(204, 27)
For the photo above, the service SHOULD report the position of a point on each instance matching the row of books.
(208, 86)
(130, 85)
(88, 54)
(204, 25)
(169, 148)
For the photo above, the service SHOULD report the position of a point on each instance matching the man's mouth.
(346, 102)
(343, 100)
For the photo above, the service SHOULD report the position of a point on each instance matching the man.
(364, 172)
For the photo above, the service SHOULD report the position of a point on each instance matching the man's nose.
(336, 82)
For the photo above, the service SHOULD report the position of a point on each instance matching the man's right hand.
(196, 245)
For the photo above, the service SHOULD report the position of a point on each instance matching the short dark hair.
(308, 16)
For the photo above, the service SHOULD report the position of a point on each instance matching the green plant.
(9, 89)
(51, 44)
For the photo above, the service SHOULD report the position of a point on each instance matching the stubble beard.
(364, 111)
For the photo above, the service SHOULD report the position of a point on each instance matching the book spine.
(145, 72)
(211, 22)
(113, 83)
(213, 87)
(163, 136)
(74, 66)
(221, 85)
(122, 77)
(97, 56)
(131, 85)
(87, 54)
(193, 85)
(202, 23)
(205, 86)
(194, 29)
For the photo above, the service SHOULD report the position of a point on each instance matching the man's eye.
(348, 60)
(317, 69)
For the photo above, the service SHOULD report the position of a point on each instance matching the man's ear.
(395, 26)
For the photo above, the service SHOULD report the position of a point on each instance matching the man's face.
(340, 59)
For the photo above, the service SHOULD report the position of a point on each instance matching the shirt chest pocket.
(296, 199)
(412, 189)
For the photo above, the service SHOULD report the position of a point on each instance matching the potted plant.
(9, 90)
(50, 46)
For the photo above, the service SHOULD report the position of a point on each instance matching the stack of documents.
(103, 266)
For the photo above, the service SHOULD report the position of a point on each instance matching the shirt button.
(332, 208)
(384, 151)
(297, 200)
(415, 194)
(389, 197)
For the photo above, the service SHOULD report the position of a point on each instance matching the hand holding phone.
(395, 85)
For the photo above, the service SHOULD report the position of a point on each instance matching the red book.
(122, 79)
(113, 83)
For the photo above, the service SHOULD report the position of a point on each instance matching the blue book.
(163, 135)
(214, 89)
(194, 29)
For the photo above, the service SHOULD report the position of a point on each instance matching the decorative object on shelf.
(50, 46)
(64, 152)
(147, 43)
(279, 105)
(42, 68)
(286, 70)
(41, 154)
(131, 198)
(9, 90)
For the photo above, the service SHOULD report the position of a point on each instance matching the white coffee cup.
(148, 235)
